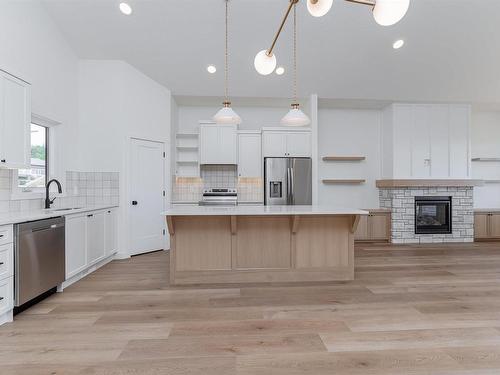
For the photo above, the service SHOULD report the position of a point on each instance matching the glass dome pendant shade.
(226, 115)
(390, 12)
(295, 117)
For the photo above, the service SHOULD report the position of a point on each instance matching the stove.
(219, 197)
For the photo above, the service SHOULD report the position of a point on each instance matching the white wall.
(117, 102)
(98, 103)
(33, 49)
(345, 132)
(485, 143)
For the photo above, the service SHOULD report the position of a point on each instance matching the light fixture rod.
(270, 50)
(363, 2)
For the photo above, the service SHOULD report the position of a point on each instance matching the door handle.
(292, 190)
(3, 161)
(134, 203)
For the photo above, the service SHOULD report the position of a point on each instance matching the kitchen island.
(247, 244)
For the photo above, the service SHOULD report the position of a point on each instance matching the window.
(36, 177)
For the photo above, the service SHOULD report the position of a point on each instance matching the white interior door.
(146, 196)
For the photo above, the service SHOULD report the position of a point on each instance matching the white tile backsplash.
(82, 189)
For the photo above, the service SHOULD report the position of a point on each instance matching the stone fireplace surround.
(401, 201)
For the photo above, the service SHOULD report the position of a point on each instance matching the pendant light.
(295, 117)
(226, 115)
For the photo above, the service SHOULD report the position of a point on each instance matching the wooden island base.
(268, 248)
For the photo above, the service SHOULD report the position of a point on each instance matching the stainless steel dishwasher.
(39, 258)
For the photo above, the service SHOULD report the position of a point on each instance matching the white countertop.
(21, 217)
(249, 210)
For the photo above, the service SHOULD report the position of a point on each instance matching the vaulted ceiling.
(452, 50)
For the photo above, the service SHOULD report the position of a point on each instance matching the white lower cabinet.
(95, 237)
(6, 295)
(6, 273)
(110, 233)
(76, 244)
(90, 238)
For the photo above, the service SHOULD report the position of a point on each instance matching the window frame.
(18, 193)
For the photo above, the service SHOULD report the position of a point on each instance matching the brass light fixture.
(295, 117)
(385, 13)
(226, 115)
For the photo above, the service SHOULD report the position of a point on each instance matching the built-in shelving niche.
(187, 155)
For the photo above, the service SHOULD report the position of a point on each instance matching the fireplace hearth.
(433, 215)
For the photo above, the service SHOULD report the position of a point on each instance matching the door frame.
(128, 184)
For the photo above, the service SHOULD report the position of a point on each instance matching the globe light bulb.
(318, 8)
(264, 64)
(390, 12)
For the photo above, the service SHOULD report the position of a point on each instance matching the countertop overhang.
(25, 216)
(390, 183)
(259, 211)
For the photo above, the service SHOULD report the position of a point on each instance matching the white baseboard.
(122, 256)
(86, 272)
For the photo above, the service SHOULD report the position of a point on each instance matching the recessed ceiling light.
(211, 69)
(126, 9)
(398, 44)
(280, 70)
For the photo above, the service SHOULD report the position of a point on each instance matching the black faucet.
(48, 201)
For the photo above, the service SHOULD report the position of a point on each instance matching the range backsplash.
(189, 189)
(81, 189)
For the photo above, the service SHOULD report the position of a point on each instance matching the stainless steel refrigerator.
(288, 181)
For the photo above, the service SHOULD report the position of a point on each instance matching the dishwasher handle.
(53, 226)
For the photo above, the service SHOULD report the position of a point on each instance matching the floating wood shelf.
(492, 181)
(344, 158)
(187, 162)
(485, 159)
(343, 181)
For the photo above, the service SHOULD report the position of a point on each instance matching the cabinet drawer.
(6, 234)
(6, 295)
(6, 261)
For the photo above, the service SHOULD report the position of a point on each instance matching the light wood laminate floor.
(432, 310)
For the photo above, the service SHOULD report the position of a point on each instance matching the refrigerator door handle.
(292, 190)
(288, 186)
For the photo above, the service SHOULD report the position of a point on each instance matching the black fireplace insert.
(433, 215)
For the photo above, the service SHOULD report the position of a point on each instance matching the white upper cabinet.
(286, 143)
(426, 141)
(249, 154)
(15, 119)
(218, 144)
(298, 144)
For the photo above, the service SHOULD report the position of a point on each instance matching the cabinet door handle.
(1, 263)
(109, 212)
(3, 161)
(91, 215)
(134, 203)
(1, 298)
(1, 235)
